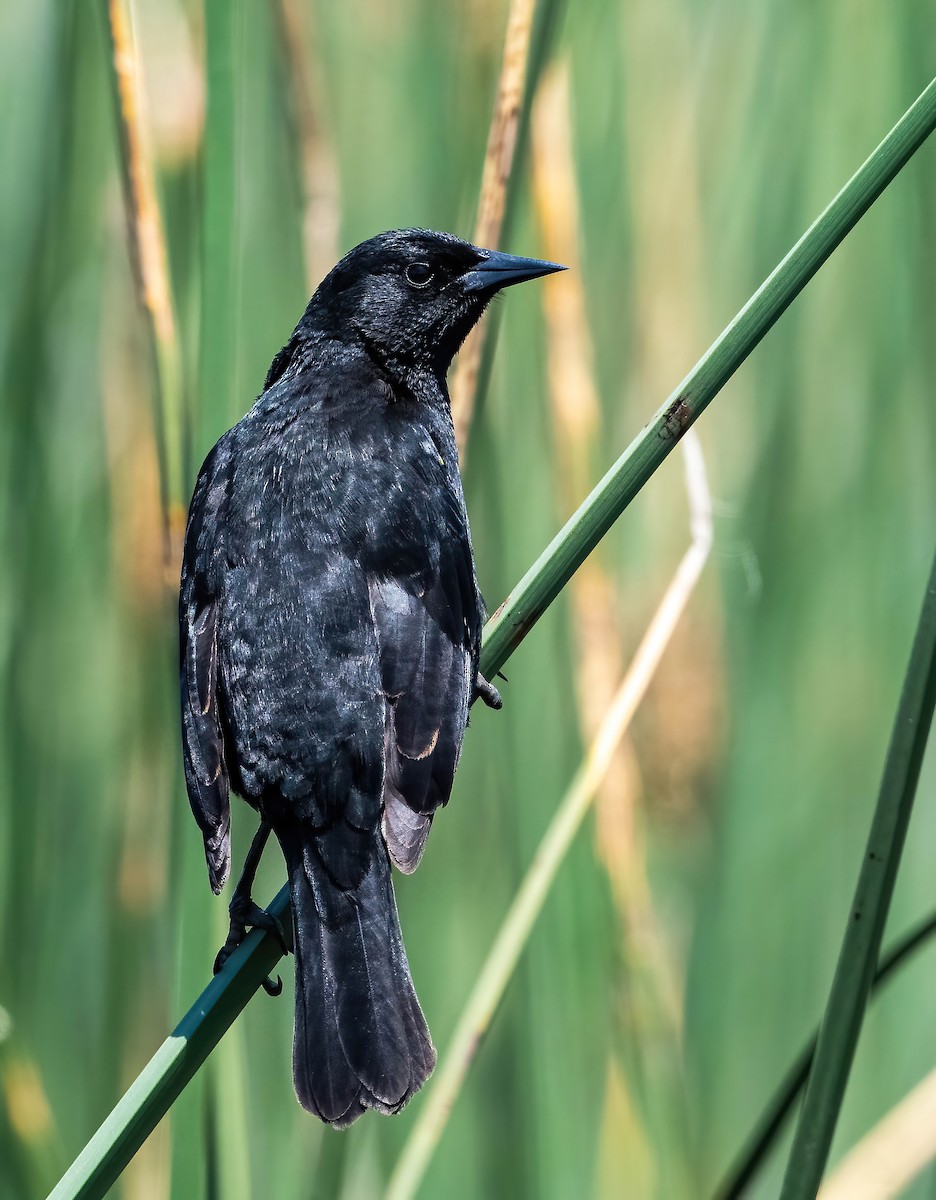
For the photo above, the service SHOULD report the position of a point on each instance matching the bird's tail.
(361, 1040)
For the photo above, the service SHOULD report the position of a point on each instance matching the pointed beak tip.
(498, 270)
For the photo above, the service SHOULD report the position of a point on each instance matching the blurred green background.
(706, 135)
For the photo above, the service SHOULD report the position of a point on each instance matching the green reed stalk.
(841, 1025)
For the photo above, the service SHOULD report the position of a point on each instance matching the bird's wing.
(206, 774)
(428, 629)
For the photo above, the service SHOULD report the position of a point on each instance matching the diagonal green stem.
(153, 1092)
(572, 545)
(841, 1025)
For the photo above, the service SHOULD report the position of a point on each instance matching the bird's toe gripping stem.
(487, 692)
(245, 915)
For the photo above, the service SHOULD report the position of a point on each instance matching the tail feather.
(324, 1082)
(360, 1039)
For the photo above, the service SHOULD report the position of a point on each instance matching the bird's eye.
(419, 274)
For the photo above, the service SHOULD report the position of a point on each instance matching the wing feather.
(428, 657)
(206, 774)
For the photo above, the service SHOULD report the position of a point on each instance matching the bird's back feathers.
(330, 629)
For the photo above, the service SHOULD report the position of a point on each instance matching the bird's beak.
(497, 270)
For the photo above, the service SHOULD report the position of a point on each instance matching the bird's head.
(412, 295)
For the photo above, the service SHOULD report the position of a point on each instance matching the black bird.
(330, 634)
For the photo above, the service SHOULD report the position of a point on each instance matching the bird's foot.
(487, 692)
(245, 915)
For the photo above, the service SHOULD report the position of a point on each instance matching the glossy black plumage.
(330, 632)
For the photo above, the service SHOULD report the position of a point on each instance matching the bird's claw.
(245, 914)
(487, 692)
(272, 987)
